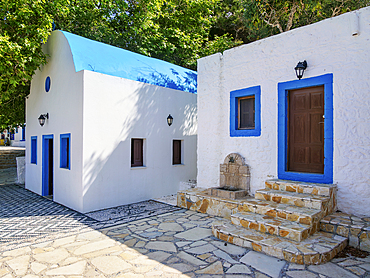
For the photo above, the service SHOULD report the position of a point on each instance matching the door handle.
(321, 122)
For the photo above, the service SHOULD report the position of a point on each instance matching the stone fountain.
(234, 178)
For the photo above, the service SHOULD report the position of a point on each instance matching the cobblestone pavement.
(27, 218)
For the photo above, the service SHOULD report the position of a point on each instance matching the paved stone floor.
(174, 244)
(27, 218)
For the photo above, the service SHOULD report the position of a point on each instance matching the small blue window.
(65, 151)
(245, 112)
(23, 133)
(34, 149)
(47, 84)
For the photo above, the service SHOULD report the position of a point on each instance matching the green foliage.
(268, 17)
(24, 25)
(177, 31)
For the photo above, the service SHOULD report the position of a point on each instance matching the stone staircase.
(8, 157)
(283, 220)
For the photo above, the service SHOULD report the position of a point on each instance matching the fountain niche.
(234, 178)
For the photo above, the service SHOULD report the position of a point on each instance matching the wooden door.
(306, 130)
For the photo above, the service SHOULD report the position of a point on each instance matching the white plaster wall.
(17, 142)
(329, 47)
(119, 109)
(64, 104)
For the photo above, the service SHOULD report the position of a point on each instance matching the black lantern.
(299, 69)
(42, 118)
(169, 120)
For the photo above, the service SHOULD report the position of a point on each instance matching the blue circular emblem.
(47, 84)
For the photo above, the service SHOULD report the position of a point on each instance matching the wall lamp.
(43, 118)
(169, 120)
(299, 69)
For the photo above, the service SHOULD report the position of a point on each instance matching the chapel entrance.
(47, 165)
(306, 130)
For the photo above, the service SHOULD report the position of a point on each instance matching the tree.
(24, 26)
(267, 17)
(176, 31)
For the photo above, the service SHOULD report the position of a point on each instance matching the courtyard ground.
(40, 238)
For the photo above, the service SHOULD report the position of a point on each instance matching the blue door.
(47, 165)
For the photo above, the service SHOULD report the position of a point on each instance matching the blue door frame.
(46, 148)
(283, 90)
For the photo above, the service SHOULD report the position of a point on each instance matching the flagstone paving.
(175, 244)
(183, 246)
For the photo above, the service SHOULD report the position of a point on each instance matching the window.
(246, 119)
(23, 133)
(137, 152)
(65, 151)
(34, 149)
(176, 152)
(245, 112)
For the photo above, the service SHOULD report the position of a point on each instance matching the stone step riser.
(291, 200)
(304, 252)
(300, 187)
(281, 214)
(268, 228)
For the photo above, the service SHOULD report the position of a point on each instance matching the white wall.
(119, 109)
(328, 47)
(64, 104)
(17, 142)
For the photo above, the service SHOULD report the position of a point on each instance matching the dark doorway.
(48, 165)
(306, 130)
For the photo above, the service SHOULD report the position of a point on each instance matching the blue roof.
(100, 57)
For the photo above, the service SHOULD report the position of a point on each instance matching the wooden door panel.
(306, 130)
(316, 128)
(316, 100)
(299, 102)
(299, 123)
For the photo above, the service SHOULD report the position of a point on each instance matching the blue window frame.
(65, 151)
(248, 94)
(283, 90)
(34, 149)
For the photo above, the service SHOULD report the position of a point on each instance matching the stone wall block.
(244, 170)
(244, 183)
(233, 169)
(365, 241)
(342, 231)
(222, 180)
(223, 168)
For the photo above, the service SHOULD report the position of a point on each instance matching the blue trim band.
(283, 88)
(234, 95)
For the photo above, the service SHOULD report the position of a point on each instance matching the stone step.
(318, 248)
(301, 215)
(301, 187)
(293, 198)
(271, 225)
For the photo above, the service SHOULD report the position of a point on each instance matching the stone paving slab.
(27, 218)
(125, 251)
